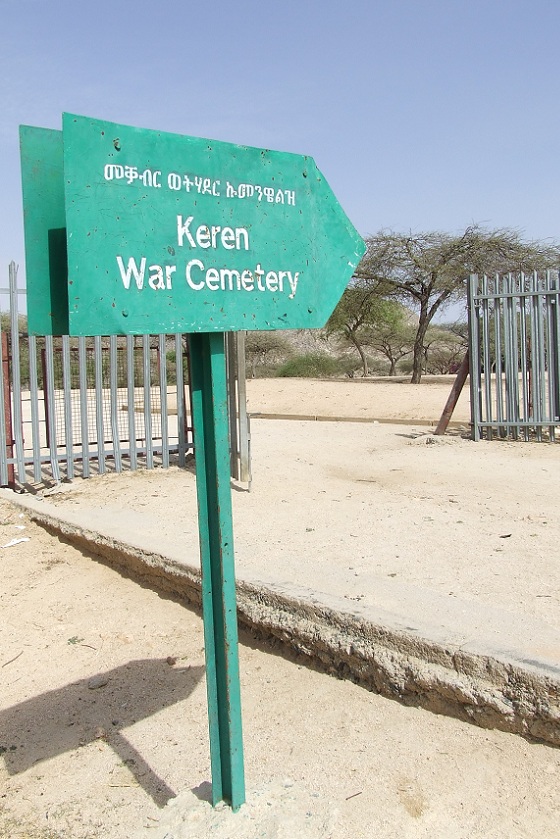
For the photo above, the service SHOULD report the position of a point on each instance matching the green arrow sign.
(167, 233)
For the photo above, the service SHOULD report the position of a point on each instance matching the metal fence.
(82, 406)
(70, 360)
(514, 329)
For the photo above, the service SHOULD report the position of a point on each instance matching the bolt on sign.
(132, 232)
(169, 233)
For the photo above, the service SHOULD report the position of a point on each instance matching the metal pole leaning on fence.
(460, 380)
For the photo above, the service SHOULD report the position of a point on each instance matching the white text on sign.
(200, 184)
(199, 276)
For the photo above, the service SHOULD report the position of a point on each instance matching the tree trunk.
(418, 356)
(364, 361)
(362, 354)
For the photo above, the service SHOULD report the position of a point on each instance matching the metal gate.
(82, 406)
(514, 330)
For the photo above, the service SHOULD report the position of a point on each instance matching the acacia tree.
(354, 315)
(392, 333)
(264, 347)
(429, 270)
(444, 350)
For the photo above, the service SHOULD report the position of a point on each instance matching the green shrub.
(311, 365)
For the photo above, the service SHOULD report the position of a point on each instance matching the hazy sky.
(421, 114)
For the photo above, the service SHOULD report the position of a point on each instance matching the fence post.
(7, 408)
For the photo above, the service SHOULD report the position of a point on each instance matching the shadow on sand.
(98, 707)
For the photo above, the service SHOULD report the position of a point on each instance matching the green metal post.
(210, 421)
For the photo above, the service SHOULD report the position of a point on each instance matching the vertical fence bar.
(535, 359)
(515, 310)
(84, 405)
(231, 366)
(532, 354)
(244, 429)
(147, 401)
(473, 314)
(498, 360)
(541, 356)
(525, 393)
(162, 364)
(548, 353)
(114, 401)
(7, 474)
(34, 407)
(554, 362)
(50, 403)
(181, 406)
(130, 400)
(16, 375)
(99, 424)
(506, 350)
(542, 352)
(67, 391)
(510, 357)
(487, 356)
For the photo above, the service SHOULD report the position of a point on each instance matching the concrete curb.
(427, 423)
(488, 686)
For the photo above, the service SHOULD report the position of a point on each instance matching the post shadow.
(64, 719)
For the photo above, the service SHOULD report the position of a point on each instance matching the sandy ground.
(381, 399)
(103, 710)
